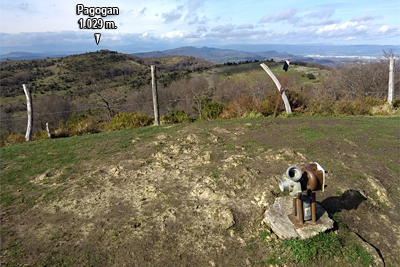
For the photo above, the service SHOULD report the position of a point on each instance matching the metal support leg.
(294, 207)
(313, 208)
(300, 210)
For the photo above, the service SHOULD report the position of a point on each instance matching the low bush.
(252, 114)
(269, 102)
(14, 139)
(239, 106)
(85, 126)
(175, 116)
(323, 106)
(61, 132)
(212, 110)
(129, 120)
(42, 135)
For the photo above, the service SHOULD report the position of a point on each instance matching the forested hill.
(74, 72)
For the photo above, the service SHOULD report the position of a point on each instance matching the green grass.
(60, 160)
(321, 248)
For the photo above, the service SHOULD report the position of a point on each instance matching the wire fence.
(162, 102)
(149, 105)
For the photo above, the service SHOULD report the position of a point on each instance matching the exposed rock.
(193, 138)
(214, 138)
(226, 219)
(379, 189)
(277, 218)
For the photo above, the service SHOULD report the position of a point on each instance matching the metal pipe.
(300, 210)
(313, 208)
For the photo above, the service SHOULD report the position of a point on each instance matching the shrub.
(175, 116)
(14, 139)
(349, 107)
(320, 106)
(310, 76)
(252, 114)
(269, 102)
(238, 107)
(296, 100)
(211, 110)
(75, 118)
(87, 125)
(40, 135)
(61, 132)
(129, 120)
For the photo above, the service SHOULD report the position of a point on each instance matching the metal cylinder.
(284, 185)
(294, 173)
(306, 207)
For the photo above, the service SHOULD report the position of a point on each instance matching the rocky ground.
(195, 194)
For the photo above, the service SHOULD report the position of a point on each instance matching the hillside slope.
(72, 73)
(195, 194)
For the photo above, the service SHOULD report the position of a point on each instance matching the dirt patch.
(196, 196)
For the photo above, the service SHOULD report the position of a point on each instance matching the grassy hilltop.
(187, 193)
(195, 194)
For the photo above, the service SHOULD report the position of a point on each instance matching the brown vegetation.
(354, 89)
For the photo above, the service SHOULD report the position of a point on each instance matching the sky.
(202, 22)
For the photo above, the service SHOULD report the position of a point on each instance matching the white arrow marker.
(97, 37)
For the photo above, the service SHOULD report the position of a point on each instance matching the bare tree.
(51, 109)
(355, 79)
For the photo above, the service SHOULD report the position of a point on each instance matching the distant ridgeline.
(105, 66)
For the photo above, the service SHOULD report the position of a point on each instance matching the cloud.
(194, 4)
(194, 19)
(201, 29)
(280, 15)
(323, 13)
(143, 11)
(245, 26)
(323, 17)
(334, 5)
(171, 16)
(223, 28)
(365, 17)
(23, 6)
(173, 34)
(240, 34)
(336, 27)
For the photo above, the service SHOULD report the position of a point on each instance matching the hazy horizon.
(164, 24)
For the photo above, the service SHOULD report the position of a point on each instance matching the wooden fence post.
(47, 130)
(155, 96)
(391, 81)
(30, 113)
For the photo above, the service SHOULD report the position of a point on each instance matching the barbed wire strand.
(138, 104)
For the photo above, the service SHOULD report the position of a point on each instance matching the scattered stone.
(163, 136)
(193, 138)
(213, 138)
(226, 219)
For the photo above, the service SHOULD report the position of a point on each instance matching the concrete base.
(285, 226)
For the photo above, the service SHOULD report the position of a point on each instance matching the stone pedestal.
(286, 227)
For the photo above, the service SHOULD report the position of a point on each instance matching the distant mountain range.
(216, 55)
(28, 55)
(325, 54)
(219, 55)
